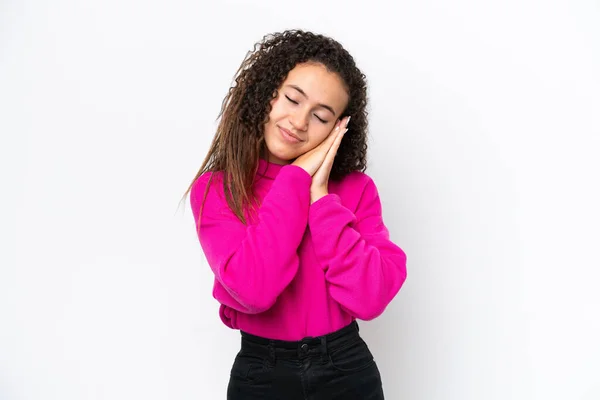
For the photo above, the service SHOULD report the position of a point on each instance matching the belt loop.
(271, 352)
(324, 346)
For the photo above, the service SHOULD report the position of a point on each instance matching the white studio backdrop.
(485, 136)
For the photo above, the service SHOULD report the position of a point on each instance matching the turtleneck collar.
(268, 169)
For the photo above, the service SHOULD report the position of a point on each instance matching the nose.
(299, 120)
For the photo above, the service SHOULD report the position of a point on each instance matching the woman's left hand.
(320, 179)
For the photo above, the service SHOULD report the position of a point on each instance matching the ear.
(273, 97)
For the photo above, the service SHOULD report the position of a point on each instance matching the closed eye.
(295, 102)
(320, 119)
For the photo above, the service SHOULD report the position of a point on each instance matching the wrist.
(317, 194)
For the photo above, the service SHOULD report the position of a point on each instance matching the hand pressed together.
(318, 161)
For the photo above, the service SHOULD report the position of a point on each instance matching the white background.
(485, 146)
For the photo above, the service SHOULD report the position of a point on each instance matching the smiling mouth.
(289, 136)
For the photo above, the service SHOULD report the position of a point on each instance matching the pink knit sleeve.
(253, 263)
(364, 268)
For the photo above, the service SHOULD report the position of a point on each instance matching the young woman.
(292, 227)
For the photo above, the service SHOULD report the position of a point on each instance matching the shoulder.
(201, 182)
(211, 180)
(356, 190)
(355, 183)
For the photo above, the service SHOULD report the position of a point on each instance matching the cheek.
(318, 135)
(277, 109)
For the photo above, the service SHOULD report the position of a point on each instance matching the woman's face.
(308, 104)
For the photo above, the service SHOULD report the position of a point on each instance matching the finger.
(336, 145)
(324, 146)
(328, 142)
(336, 128)
(331, 153)
(337, 125)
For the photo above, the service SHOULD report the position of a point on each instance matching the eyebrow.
(325, 106)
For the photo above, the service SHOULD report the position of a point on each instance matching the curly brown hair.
(239, 140)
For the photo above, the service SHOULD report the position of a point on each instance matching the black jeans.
(334, 366)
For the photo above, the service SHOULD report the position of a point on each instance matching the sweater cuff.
(298, 174)
(324, 201)
(328, 212)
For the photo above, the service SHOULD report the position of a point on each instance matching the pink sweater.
(298, 269)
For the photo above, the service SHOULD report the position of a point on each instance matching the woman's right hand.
(312, 160)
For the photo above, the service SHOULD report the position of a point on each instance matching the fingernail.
(348, 121)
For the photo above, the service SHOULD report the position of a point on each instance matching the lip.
(289, 136)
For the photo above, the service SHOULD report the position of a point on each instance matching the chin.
(280, 151)
(281, 156)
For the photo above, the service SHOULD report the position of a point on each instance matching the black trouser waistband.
(273, 348)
